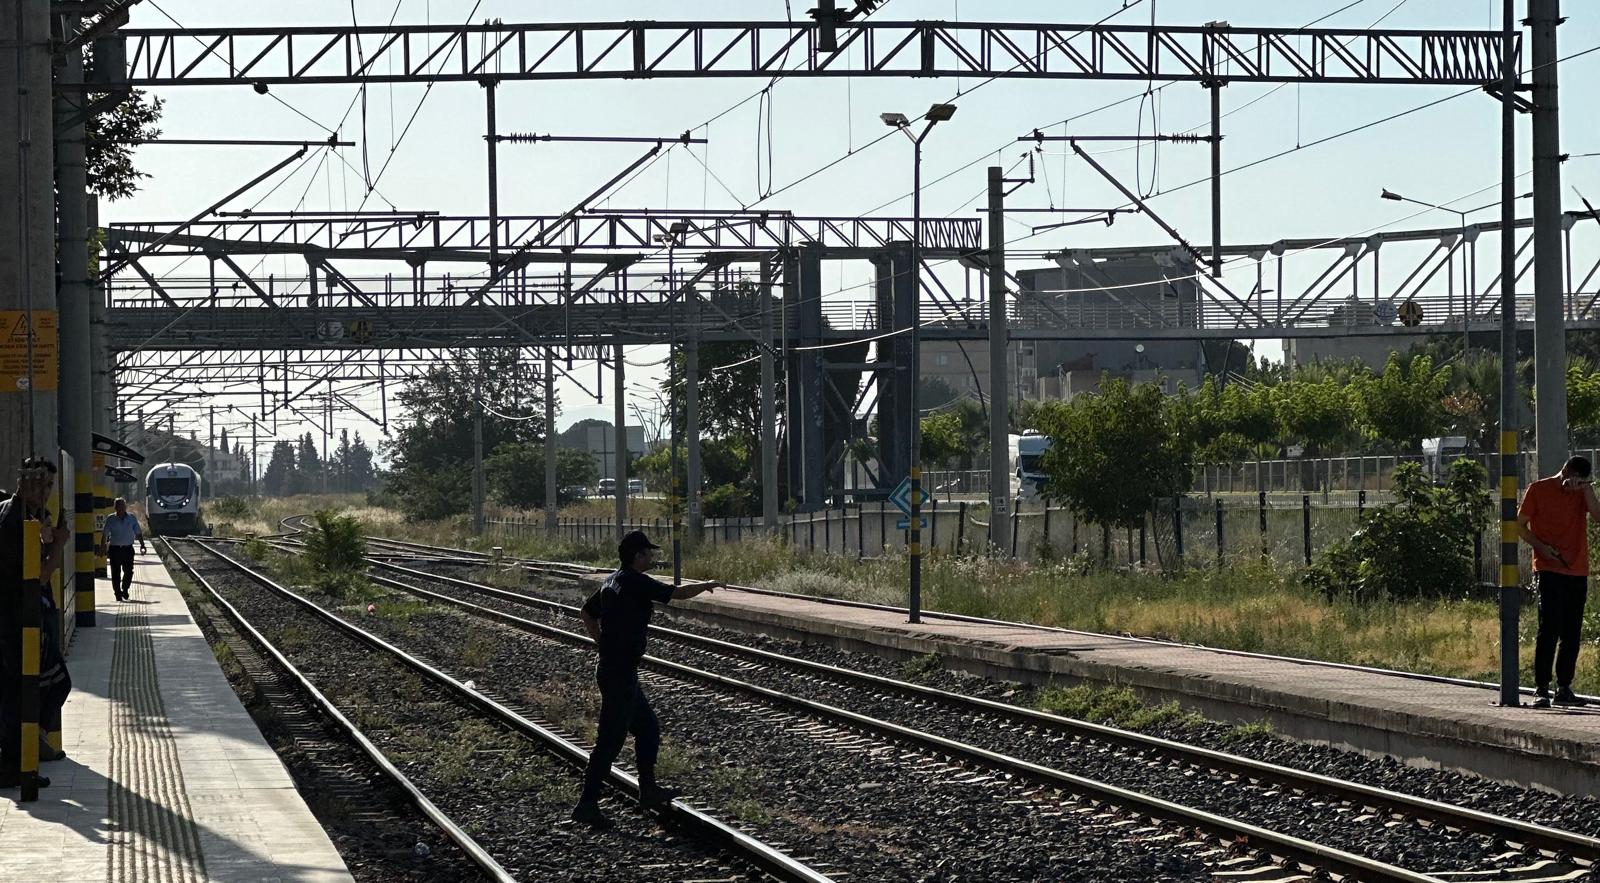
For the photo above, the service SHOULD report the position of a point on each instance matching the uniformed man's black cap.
(633, 542)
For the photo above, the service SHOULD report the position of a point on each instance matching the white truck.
(1027, 471)
(1439, 453)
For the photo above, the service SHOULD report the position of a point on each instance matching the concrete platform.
(1419, 722)
(166, 776)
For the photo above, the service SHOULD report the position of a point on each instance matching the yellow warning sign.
(16, 343)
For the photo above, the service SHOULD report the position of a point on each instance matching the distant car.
(635, 486)
(575, 492)
(607, 487)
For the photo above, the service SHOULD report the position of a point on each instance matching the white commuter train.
(172, 500)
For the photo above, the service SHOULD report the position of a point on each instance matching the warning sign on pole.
(17, 341)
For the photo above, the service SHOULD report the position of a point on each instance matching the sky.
(1444, 153)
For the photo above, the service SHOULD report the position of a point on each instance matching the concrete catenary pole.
(551, 491)
(74, 297)
(1549, 296)
(619, 442)
(999, 386)
(691, 414)
(1510, 577)
(478, 484)
(769, 399)
(27, 246)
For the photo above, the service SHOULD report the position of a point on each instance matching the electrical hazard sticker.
(29, 357)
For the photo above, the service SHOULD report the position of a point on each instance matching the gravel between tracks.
(1572, 813)
(856, 805)
(507, 793)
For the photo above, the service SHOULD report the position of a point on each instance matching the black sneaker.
(655, 795)
(1565, 696)
(14, 780)
(590, 814)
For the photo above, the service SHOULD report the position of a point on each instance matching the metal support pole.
(74, 295)
(769, 409)
(489, 89)
(551, 489)
(27, 243)
(914, 536)
(1216, 177)
(691, 415)
(1510, 577)
(675, 496)
(619, 397)
(477, 451)
(1549, 280)
(999, 388)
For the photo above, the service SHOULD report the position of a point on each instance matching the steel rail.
(762, 855)
(1542, 837)
(471, 847)
(1265, 840)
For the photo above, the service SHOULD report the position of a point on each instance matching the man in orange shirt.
(1553, 521)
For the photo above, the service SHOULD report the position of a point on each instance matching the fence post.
(1141, 541)
(961, 528)
(933, 525)
(1016, 515)
(827, 531)
(883, 528)
(811, 531)
(1305, 519)
(1261, 503)
(1220, 547)
(1361, 504)
(1047, 522)
(1477, 556)
(1177, 527)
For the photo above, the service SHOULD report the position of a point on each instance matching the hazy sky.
(1331, 189)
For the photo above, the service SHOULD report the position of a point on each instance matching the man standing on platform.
(121, 530)
(1553, 521)
(616, 617)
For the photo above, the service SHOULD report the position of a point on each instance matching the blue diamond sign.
(901, 496)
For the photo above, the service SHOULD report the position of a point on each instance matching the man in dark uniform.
(33, 490)
(616, 617)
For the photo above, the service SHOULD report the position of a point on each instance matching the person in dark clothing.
(616, 617)
(33, 488)
(1553, 520)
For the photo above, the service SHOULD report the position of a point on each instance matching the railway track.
(1039, 747)
(414, 697)
(399, 548)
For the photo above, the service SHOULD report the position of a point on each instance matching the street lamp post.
(936, 114)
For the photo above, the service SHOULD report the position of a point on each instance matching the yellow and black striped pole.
(1510, 574)
(28, 616)
(83, 545)
(102, 510)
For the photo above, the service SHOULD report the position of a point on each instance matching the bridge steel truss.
(594, 280)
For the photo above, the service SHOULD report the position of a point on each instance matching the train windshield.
(172, 487)
(1029, 463)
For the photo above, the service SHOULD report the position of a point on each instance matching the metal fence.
(1177, 534)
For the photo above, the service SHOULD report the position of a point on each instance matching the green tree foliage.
(430, 453)
(1113, 452)
(1404, 404)
(108, 155)
(1315, 413)
(942, 440)
(336, 551)
(1583, 397)
(516, 474)
(1418, 546)
(278, 479)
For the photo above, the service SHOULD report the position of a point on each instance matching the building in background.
(595, 438)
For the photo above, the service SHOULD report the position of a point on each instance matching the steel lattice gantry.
(664, 49)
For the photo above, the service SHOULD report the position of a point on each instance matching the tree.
(1404, 404)
(338, 462)
(941, 439)
(1315, 413)
(108, 137)
(516, 473)
(308, 475)
(278, 480)
(430, 453)
(1113, 452)
(358, 468)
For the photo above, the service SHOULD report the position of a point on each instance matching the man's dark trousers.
(623, 710)
(121, 558)
(1561, 600)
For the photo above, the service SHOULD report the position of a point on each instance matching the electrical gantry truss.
(584, 282)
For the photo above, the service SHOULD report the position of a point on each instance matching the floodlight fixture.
(1391, 195)
(940, 113)
(894, 120)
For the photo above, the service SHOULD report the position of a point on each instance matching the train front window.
(172, 487)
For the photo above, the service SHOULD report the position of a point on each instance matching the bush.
(336, 546)
(1419, 546)
(232, 507)
(728, 501)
